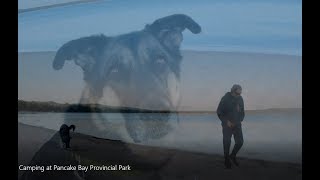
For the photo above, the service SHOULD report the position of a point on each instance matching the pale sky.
(271, 27)
(26, 4)
(267, 26)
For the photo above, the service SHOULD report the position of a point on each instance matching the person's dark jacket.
(227, 109)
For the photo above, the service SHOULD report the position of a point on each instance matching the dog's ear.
(174, 22)
(83, 51)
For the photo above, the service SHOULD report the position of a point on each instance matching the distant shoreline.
(186, 51)
(38, 106)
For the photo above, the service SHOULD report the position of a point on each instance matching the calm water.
(268, 135)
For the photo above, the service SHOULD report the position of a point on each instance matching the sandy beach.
(41, 147)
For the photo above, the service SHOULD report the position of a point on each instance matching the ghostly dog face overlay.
(146, 78)
(172, 39)
(141, 68)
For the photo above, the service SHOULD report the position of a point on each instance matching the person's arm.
(242, 113)
(221, 110)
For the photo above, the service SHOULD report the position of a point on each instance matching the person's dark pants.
(238, 138)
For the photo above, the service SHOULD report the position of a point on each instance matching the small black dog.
(65, 135)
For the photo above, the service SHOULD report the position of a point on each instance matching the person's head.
(236, 90)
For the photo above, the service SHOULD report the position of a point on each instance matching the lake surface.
(268, 135)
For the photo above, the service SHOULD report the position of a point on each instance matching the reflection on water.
(267, 135)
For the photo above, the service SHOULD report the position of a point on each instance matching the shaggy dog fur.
(142, 68)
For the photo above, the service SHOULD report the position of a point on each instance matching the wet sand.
(42, 147)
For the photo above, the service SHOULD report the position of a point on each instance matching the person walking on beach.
(231, 113)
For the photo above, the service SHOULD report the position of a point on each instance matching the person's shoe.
(227, 163)
(234, 160)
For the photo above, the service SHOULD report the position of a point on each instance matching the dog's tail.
(73, 127)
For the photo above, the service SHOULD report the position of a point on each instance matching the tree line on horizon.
(36, 106)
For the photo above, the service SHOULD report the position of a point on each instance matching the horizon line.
(207, 111)
(195, 50)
